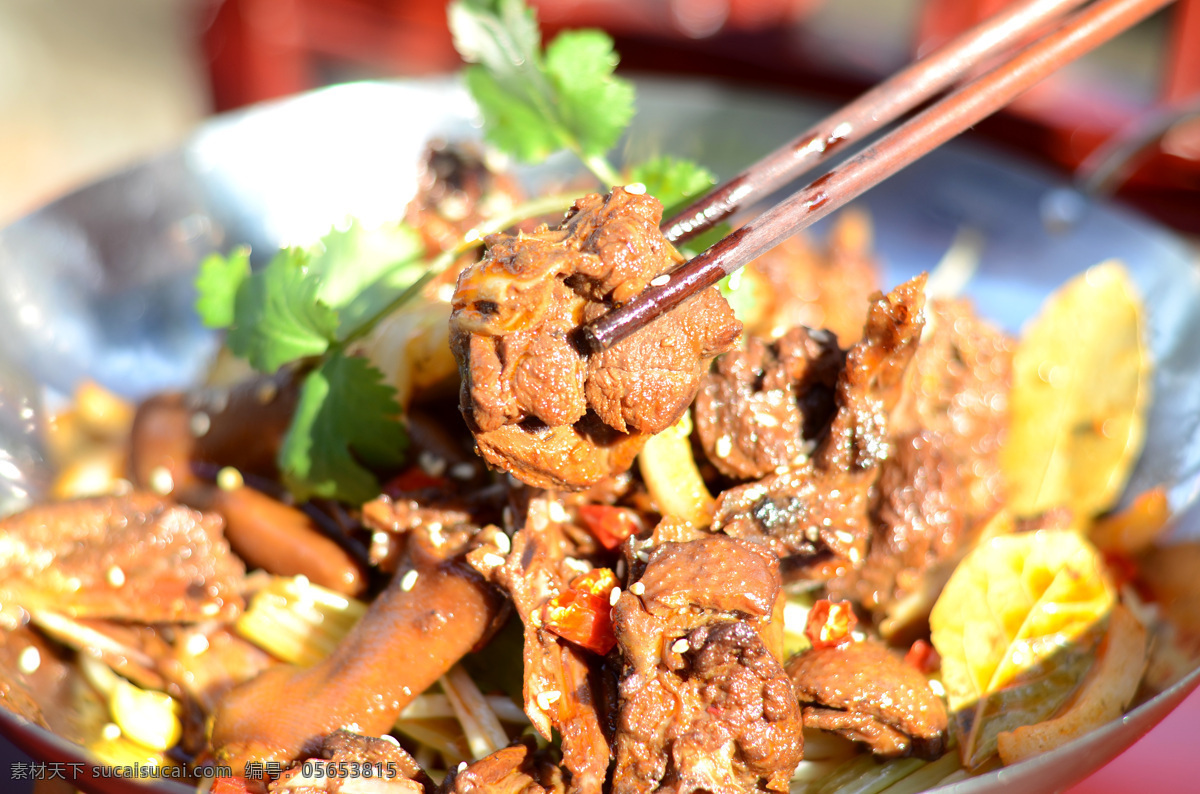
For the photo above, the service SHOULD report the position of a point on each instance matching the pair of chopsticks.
(1074, 35)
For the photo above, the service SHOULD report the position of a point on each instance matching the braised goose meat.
(820, 509)
(865, 692)
(566, 688)
(516, 769)
(537, 405)
(704, 702)
(761, 408)
(800, 282)
(958, 388)
(135, 558)
(918, 520)
(387, 766)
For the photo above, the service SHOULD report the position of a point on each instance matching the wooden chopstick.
(883, 104)
(969, 104)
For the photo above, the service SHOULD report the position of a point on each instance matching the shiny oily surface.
(99, 284)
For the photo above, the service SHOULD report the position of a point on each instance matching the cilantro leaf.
(217, 286)
(277, 316)
(593, 105)
(360, 270)
(346, 420)
(672, 180)
(304, 300)
(534, 103)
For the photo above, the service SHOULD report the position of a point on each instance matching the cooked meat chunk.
(819, 509)
(801, 283)
(918, 521)
(456, 191)
(525, 383)
(716, 572)
(566, 688)
(762, 407)
(704, 703)
(388, 767)
(517, 769)
(136, 558)
(865, 692)
(411, 635)
(958, 388)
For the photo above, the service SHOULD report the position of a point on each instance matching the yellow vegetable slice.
(1016, 626)
(1103, 697)
(1081, 388)
(672, 478)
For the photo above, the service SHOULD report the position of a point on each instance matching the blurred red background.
(259, 49)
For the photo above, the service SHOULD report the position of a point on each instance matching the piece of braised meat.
(517, 769)
(136, 557)
(958, 388)
(456, 191)
(799, 282)
(762, 407)
(865, 692)
(819, 511)
(918, 522)
(566, 688)
(705, 704)
(346, 762)
(539, 406)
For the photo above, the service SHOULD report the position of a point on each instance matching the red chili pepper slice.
(830, 623)
(582, 614)
(610, 525)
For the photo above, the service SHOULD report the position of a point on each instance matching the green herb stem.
(602, 170)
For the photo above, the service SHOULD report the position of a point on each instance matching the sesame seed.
(493, 560)
(681, 646)
(937, 688)
(431, 464)
(661, 281)
(577, 565)
(200, 423)
(637, 588)
(229, 479)
(409, 580)
(29, 660)
(115, 576)
(196, 644)
(547, 698)
(462, 765)
(724, 446)
(558, 514)
(503, 544)
(614, 596)
(636, 188)
(387, 737)
(161, 481)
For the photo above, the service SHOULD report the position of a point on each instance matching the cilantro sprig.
(535, 102)
(301, 309)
